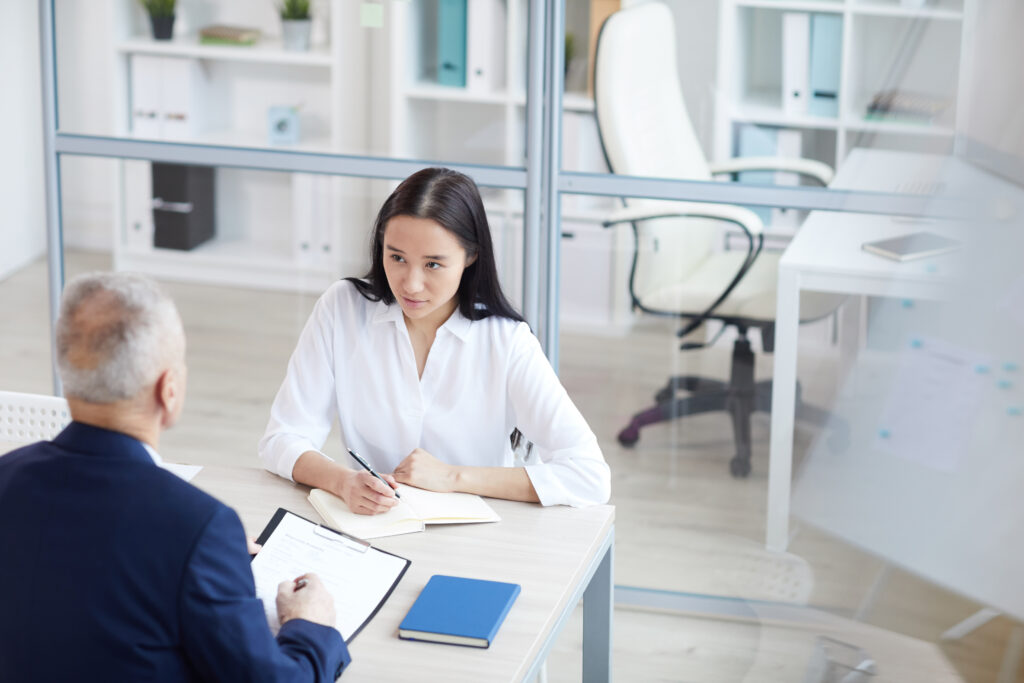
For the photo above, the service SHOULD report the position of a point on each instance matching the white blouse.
(482, 378)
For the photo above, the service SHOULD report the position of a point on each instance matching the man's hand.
(305, 598)
(253, 546)
(365, 494)
(422, 470)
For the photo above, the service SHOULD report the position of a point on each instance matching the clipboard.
(359, 576)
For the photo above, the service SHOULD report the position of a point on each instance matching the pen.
(300, 583)
(366, 466)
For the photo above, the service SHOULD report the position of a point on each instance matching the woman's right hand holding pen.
(364, 493)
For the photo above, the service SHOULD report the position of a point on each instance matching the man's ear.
(167, 394)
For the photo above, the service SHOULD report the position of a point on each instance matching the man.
(114, 569)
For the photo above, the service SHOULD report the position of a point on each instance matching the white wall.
(22, 226)
(86, 95)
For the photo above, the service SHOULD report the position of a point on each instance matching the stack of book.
(219, 34)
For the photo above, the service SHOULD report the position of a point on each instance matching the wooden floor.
(684, 526)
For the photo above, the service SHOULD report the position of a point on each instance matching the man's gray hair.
(116, 333)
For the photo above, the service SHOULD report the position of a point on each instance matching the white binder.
(796, 36)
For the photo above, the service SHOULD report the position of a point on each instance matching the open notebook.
(416, 508)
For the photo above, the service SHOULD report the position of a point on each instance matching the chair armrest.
(745, 218)
(808, 167)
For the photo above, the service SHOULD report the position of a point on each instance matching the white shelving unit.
(915, 46)
(487, 126)
(273, 230)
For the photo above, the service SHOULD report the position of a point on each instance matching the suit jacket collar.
(96, 441)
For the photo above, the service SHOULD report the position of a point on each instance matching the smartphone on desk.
(916, 245)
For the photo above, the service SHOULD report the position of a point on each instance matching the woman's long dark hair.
(451, 200)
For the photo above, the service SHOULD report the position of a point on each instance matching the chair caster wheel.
(739, 468)
(629, 436)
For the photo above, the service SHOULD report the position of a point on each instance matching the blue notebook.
(460, 611)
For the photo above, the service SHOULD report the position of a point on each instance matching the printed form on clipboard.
(416, 508)
(358, 576)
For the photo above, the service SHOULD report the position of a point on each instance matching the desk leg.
(597, 621)
(780, 461)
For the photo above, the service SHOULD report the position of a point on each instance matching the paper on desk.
(186, 472)
(928, 415)
(357, 577)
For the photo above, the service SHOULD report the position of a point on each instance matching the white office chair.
(26, 418)
(645, 131)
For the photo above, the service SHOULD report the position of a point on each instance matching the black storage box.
(183, 216)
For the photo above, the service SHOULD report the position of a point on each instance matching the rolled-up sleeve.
(304, 408)
(572, 470)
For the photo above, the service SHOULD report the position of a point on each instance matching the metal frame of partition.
(542, 179)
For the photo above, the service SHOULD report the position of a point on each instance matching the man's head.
(120, 342)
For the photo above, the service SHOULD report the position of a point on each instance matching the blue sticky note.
(1004, 384)
(907, 303)
(931, 268)
(883, 433)
(981, 369)
(1010, 367)
(916, 343)
(1015, 411)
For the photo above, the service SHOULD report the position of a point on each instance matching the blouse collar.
(457, 323)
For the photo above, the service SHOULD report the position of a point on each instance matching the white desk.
(557, 555)
(826, 256)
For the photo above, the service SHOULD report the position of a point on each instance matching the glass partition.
(387, 79)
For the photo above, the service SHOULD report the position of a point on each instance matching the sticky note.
(931, 268)
(371, 15)
(1010, 367)
(907, 303)
(883, 433)
(1015, 411)
(981, 369)
(916, 343)
(1005, 384)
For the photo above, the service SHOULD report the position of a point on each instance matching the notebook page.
(357, 578)
(447, 508)
(401, 519)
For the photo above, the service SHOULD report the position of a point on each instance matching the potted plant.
(295, 24)
(161, 17)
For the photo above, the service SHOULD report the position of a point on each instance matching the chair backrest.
(646, 131)
(25, 418)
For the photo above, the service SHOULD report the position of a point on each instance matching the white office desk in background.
(826, 256)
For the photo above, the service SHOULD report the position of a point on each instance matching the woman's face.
(423, 263)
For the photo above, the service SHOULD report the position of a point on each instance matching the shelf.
(834, 7)
(901, 127)
(445, 93)
(893, 10)
(264, 51)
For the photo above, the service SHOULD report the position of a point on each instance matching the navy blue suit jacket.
(113, 569)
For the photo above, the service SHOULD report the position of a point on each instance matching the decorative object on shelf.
(220, 34)
(283, 125)
(296, 23)
(906, 106)
(161, 17)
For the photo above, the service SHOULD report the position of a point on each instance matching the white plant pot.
(295, 34)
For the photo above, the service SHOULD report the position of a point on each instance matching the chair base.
(741, 396)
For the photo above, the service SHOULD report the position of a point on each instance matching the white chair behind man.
(27, 418)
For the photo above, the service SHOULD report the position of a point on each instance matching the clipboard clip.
(350, 542)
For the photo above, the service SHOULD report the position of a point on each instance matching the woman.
(429, 369)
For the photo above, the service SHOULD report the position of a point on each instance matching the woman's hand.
(365, 494)
(422, 470)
